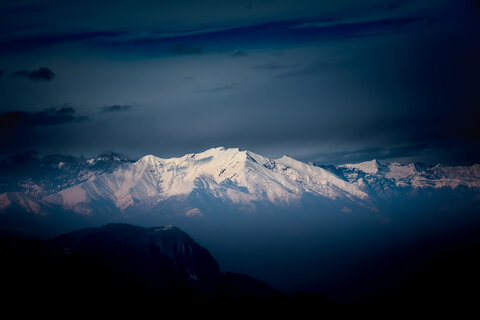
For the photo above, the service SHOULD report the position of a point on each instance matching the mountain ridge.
(229, 174)
(237, 178)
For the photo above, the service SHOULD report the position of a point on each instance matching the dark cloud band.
(23, 120)
(36, 75)
(115, 108)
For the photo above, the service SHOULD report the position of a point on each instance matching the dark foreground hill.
(120, 267)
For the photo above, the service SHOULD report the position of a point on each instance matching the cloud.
(379, 153)
(232, 86)
(29, 27)
(295, 33)
(115, 108)
(21, 120)
(20, 158)
(319, 67)
(195, 41)
(239, 53)
(22, 44)
(185, 49)
(270, 66)
(36, 75)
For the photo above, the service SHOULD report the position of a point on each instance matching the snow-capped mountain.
(231, 175)
(36, 176)
(413, 175)
(237, 178)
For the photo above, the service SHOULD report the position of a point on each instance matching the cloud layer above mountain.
(334, 81)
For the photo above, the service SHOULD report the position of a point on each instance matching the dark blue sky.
(331, 81)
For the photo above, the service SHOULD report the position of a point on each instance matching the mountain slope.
(19, 201)
(159, 256)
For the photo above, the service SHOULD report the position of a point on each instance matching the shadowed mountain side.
(122, 266)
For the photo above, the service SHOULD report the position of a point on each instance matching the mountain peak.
(148, 159)
(371, 167)
(218, 151)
